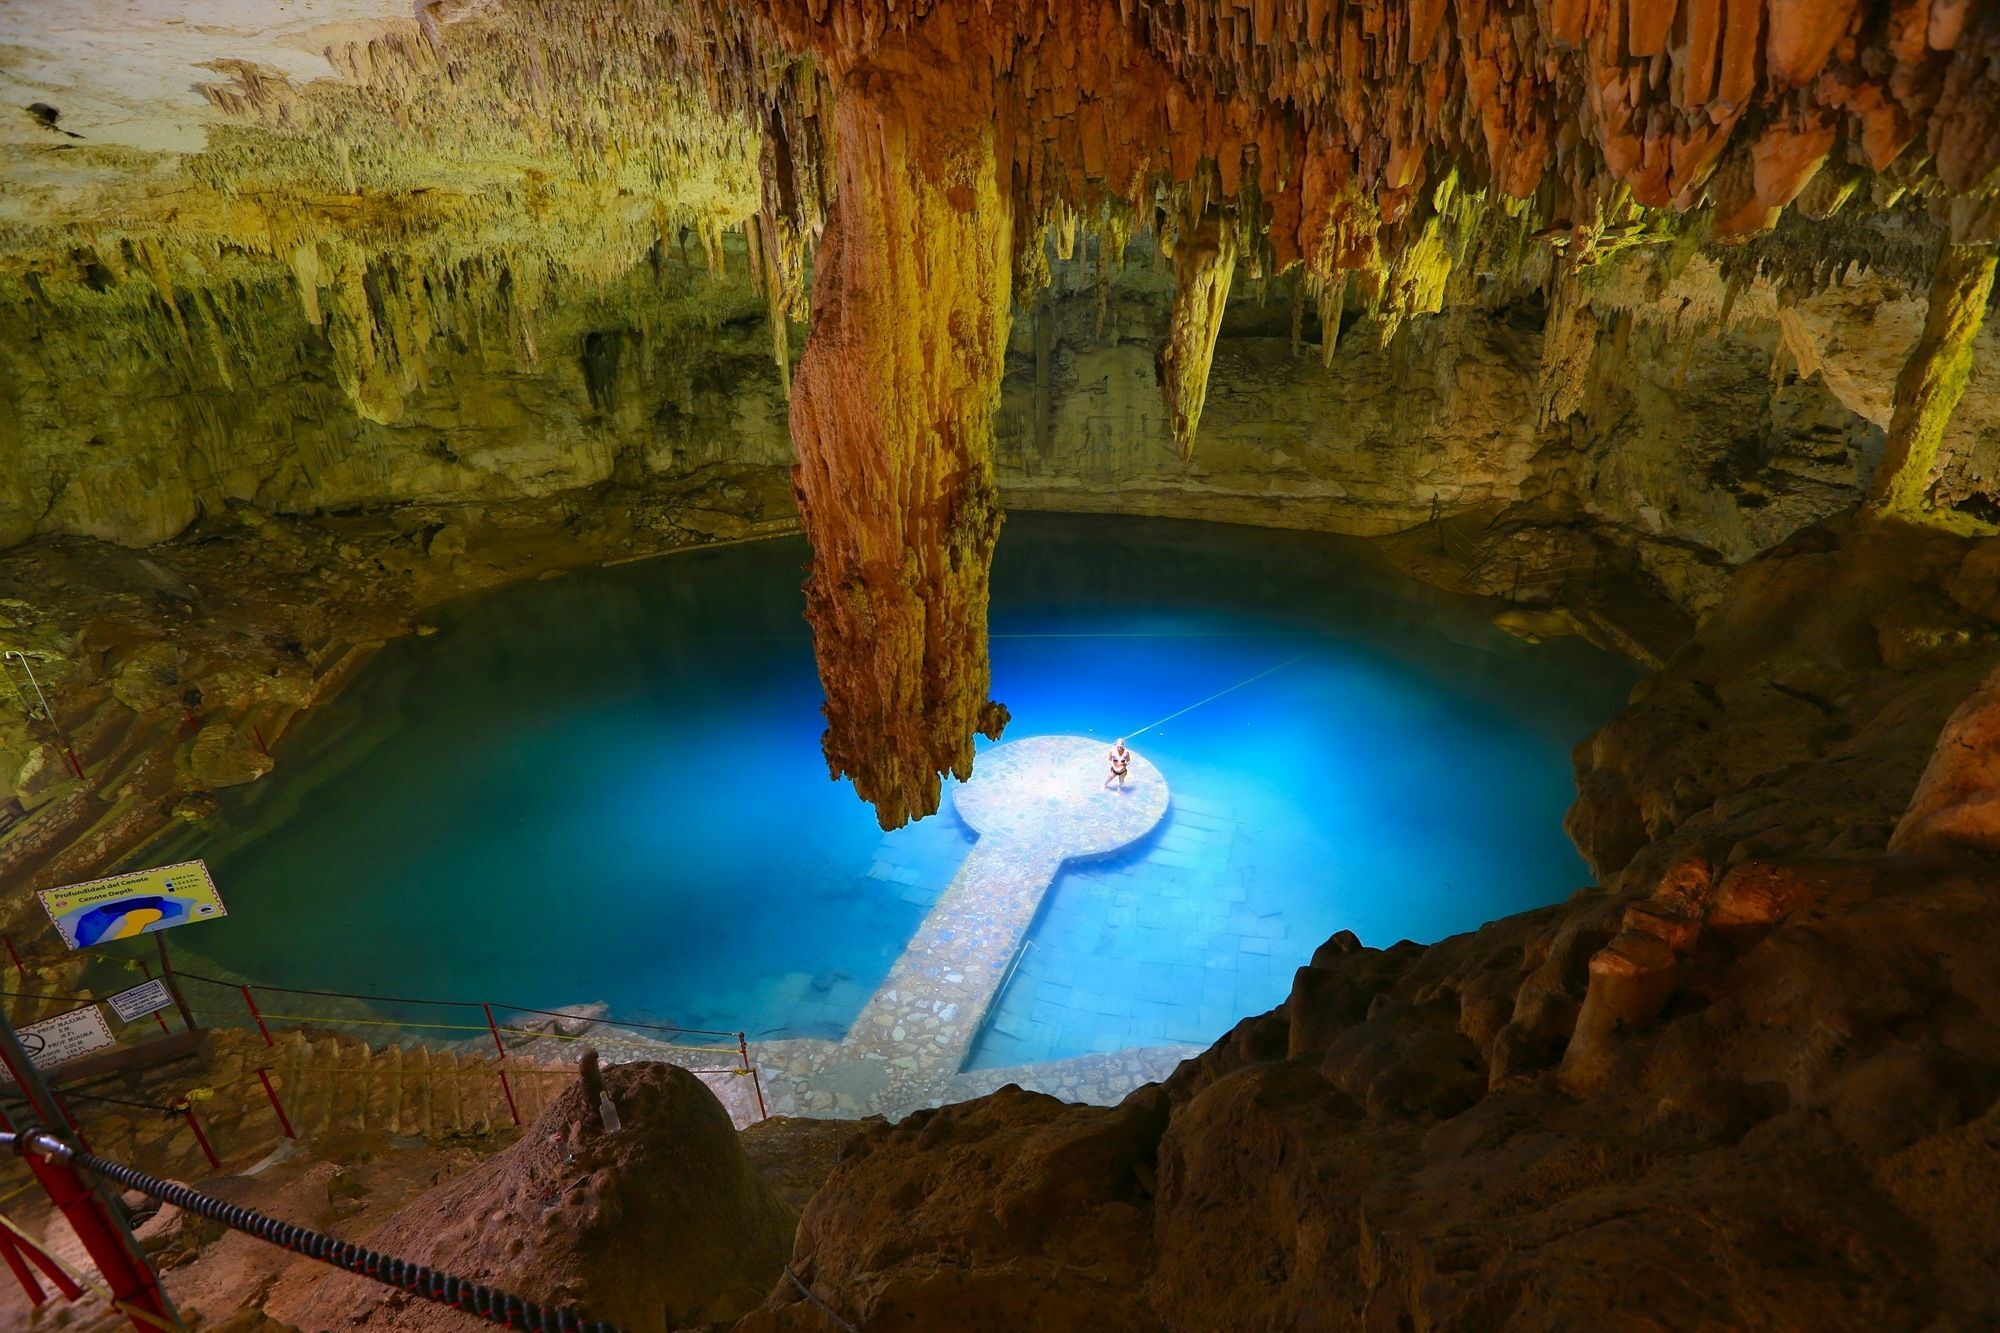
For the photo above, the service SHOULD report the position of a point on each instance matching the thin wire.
(813, 1296)
(1219, 693)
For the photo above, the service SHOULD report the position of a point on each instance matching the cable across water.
(1250, 680)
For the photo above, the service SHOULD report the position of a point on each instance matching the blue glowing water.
(608, 788)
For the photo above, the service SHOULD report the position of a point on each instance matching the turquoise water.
(608, 788)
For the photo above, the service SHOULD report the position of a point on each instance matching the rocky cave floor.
(1753, 1079)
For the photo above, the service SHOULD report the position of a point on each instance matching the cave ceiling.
(901, 173)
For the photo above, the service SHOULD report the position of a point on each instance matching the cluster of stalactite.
(1387, 148)
(926, 156)
(447, 164)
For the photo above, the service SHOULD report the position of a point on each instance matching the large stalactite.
(892, 416)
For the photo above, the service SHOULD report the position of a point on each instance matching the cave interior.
(1524, 475)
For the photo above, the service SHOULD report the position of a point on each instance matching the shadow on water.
(608, 787)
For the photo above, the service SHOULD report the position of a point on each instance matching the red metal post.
(284, 1122)
(22, 1273)
(207, 1148)
(262, 746)
(743, 1049)
(76, 765)
(15, 954)
(57, 1275)
(158, 1017)
(494, 1028)
(249, 1000)
(508, 1088)
(124, 1266)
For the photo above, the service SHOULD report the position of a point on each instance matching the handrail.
(607, 1020)
(484, 1302)
(329, 994)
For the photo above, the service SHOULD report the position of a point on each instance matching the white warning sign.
(66, 1037)
(148, 997)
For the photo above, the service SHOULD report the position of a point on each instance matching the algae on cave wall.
(121, 426)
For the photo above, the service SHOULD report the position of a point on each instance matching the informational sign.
(146, 998)
(136, 903)
(66, 1037)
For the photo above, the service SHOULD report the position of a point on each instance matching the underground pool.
(608, 788)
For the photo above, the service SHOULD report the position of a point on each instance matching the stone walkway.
(1036, 804)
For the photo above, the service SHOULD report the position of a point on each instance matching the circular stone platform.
(1047, 793)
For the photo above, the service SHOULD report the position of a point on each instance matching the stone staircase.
(329, 1085)
(332, 1082)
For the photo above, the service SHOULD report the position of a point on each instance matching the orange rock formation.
(1256, 134)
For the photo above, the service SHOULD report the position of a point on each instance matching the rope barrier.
(329, 994)
(488, 1303)
(620, 1022)
(455, 1004)
(323, 1020)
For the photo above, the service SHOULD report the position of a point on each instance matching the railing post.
(20, 967)
(251, 1001)
(508, 1088)
(173, 984)
(158, 1017)
(284, 1121)
(22, 1273)
(58, 1278)
(743, 1050)
(494, 1028)
(207, 1149)
(263, 747)
(126, 1268)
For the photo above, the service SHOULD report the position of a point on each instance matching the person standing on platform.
(1121, 763)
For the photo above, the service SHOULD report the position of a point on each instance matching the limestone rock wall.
(131, 423)
(1698, 439)
(1694, 438)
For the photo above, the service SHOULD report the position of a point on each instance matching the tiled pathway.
(1036, 804)
(1162, 946)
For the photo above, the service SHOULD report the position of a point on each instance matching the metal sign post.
(96, 1220)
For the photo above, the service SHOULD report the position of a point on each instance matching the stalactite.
(1569, 345)
(892, 416)
(1932, 381)
(1204, 255)
(1330, 301)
